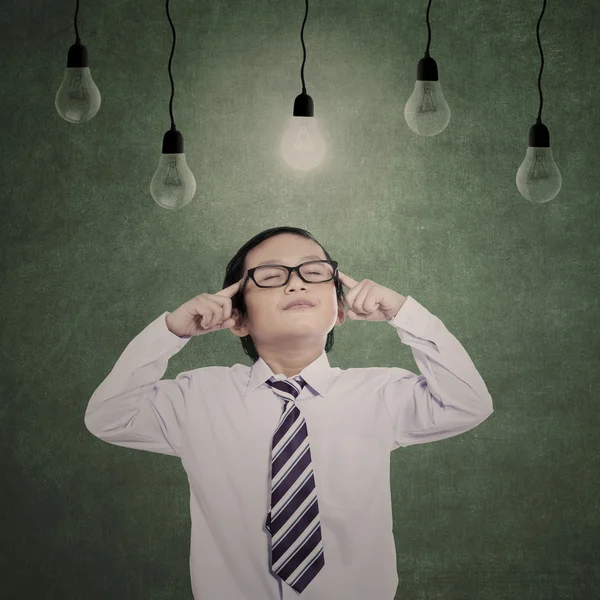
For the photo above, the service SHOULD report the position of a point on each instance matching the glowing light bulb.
(78, 98)
(426, 111)
(538, 178)
(302, 145)
(173, 184)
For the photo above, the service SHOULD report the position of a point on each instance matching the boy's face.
(267, 320)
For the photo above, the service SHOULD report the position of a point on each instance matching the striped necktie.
(293, 519)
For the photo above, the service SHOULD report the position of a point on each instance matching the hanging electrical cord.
(169, 69)
(303, 49)
(77, 40)
(428, 29)
(539, 118)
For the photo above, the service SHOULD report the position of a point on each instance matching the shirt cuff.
(160, 337)
(414, 318)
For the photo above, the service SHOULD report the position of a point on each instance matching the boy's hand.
(369, 301)
(204, 313)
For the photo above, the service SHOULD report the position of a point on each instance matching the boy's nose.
(295, 279)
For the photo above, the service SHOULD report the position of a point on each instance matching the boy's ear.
(239, 329)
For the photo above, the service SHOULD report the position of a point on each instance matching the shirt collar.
(318, 375)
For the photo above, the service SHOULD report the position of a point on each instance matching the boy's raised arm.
(448, 398)
(133, 407)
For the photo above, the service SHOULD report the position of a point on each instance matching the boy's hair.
(236, 269)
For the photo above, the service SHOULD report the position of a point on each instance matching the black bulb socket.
(172, 142)
(78, 56)
(304, 106)
(427, 69)
(539, 136)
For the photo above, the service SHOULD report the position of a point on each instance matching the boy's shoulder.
(220, 371)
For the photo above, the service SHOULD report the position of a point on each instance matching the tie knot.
(287, 387)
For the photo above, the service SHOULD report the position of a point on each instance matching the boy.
(288, 460)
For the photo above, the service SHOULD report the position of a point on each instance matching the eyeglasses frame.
(250, 274)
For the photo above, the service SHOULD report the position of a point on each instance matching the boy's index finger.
(231, 290)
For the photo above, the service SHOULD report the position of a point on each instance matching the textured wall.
(508, 510)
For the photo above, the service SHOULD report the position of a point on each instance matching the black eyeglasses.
(270, 276)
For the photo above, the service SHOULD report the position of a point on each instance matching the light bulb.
(538, 178)
(173, 184)
(302, 145)
(78, 98)
(426, 111)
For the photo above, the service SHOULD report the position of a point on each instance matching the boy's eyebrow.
(278, 260)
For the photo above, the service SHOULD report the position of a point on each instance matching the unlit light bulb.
(538, 178)
(173, 184)
(426, 111)
(302, 145)
(78, 98)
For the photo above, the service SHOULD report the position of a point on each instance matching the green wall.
(508, 510)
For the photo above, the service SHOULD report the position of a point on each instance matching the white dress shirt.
(220, 422)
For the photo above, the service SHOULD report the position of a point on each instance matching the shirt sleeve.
(448, 398)
(132, 407)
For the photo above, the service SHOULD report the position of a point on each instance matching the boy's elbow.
(489, 405)
(479, 409)
(486, 408)
(91, 425)
(88, 424)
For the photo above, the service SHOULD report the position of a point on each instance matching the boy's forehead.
(294, 260)
(285, 251)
